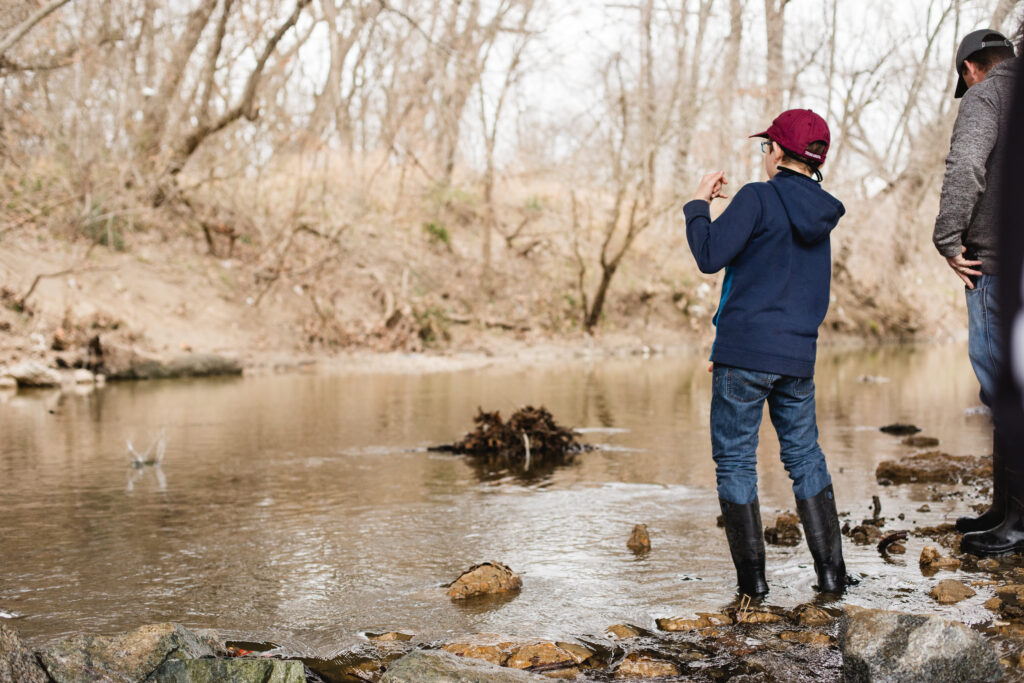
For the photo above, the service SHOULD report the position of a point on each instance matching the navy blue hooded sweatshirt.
(773, 241)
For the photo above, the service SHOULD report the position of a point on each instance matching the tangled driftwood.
(529, 439)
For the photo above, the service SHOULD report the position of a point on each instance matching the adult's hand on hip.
(964, 268)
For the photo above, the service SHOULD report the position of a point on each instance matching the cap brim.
(760, 135)
(961, 87)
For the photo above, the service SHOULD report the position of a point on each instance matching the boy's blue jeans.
(983, 330)
(737, 403)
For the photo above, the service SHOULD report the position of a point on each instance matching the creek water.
(304, 509)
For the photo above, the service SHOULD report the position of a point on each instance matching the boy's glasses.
(766, 146)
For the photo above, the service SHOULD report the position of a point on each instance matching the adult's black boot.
(825, 539)
(746, 544)
(1008, 535)
(994, 515)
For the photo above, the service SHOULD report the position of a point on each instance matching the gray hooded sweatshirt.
(969, 205)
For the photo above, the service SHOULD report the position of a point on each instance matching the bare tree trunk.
(775, 66)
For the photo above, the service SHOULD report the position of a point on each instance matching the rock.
(897, 548)
(622, 632)
(935, 467)
(865, 534)
(32, 373)
(918, 441)
(17, 663)
(892, 646)
(932, 559)
(639, 541)
(949, 591)
(641, 666)
(130, 656)
(989, 564)
(82, 376)
(435, 666)
(484, 579)
(899, 429)
(758, 617)
(1011, 599)
(994, 604)
(489, 648)
(389, 637)
(681, 625)
(229, 671)
(785, 532)
(715, 619)
(126, 362)
(925, 508)
(810, 615)
(556, 659)
(807, 638)
(8, 382)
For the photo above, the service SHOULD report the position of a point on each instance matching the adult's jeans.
(737, 404)
(983, 334)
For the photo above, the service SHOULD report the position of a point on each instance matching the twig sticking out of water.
(157, 447)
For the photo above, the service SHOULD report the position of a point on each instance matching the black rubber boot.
(746, 543)
(1008, 536)
(994, 515)
(821, 526)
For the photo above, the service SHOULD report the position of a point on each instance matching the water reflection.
(305, 509)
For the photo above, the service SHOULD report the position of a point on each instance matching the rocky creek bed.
(820, 641)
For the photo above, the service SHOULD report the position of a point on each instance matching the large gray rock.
(229, 671)
(17, 663)
(893, 647)
(127, 362)
(127, 657)
(32, 373)
(437, 666)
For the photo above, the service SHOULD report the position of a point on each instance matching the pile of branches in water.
(530, 438)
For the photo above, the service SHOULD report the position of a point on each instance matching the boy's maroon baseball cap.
(795, 129)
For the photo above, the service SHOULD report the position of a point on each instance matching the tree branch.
(24, 27)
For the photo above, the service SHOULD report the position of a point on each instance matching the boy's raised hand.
(711, 186)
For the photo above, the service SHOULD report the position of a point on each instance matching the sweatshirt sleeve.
(974, 137)
(716, 243)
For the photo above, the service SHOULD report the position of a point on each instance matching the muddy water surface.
(304, 509)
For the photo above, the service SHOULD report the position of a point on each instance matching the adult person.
(1008, 535)
(966, 226)
(773, 242)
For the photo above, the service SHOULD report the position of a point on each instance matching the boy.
(773, 241)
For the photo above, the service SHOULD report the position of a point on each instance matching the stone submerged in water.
(900, 429)
(640, 540)
(487, 578)
(950, 591)
(229, 671)
(879, 645)
(786, 531)
(636, 665)
(932, 559)
(935, 467)
(17, 663)
(435, 666)
(130, 656)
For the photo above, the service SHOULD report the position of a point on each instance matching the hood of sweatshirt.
(812, 211)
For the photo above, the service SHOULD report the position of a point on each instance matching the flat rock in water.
(932, 559)
(950, 591)
(229, 671)
(918, 441)
(442, 667)
(878, 645)
(935, 467)
(17, 663)
(785, 532)
(126, 362)
(642, 666)
(899, 429)
(484, 579)
(32, 373)
(130, 656)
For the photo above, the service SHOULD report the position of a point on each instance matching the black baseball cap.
(974, 42)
